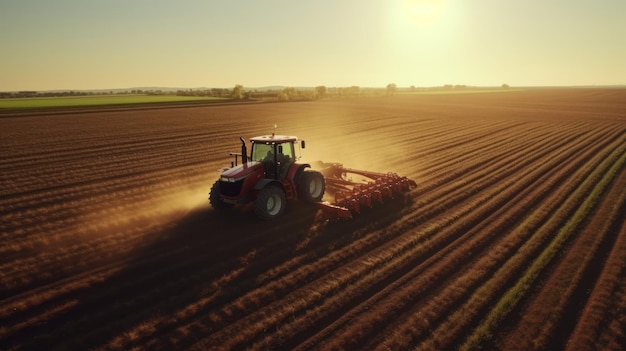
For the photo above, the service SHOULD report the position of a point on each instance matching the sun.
(421, 35)
(424, 12)
(419, 22)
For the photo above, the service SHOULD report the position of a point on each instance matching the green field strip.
(86, 101)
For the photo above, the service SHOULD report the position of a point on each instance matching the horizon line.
(278, 86)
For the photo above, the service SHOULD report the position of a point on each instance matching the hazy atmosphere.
(312, 175)
(71, 44)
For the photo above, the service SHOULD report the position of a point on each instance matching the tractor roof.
(274, 139)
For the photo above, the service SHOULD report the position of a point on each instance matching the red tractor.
(270, 176)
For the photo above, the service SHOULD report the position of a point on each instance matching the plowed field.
(515, 237)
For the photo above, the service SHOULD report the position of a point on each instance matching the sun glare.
(422, 35)
(412, 18)
(424, 12)
(417, 26)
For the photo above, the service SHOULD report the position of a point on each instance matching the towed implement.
(356, 189)
(271, 175)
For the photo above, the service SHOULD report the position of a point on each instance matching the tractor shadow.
(206, 253)
(216, 253)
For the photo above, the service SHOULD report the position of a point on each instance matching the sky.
(90, 44)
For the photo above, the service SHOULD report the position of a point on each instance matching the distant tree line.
(33, 94)
(237, 93)
(30, 94)
(240, 93)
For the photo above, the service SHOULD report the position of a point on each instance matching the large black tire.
(215, 199)
(311, 187)
(270, 203)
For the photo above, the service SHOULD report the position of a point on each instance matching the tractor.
(271, 176)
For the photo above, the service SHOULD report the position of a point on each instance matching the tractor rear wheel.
(312, 186)
(215, 199)
(270, 203)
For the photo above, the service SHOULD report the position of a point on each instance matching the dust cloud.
(126, 222)
(352, 151)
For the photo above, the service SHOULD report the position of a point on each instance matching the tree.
(237, 92)
(391, 89)
(217, 92)
(288, 94)
(354, 90)
(321, 91)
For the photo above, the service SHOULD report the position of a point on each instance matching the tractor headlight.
(227, 179)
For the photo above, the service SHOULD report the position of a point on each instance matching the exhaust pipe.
(244, 151)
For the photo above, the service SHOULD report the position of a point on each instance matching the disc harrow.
(356, 189)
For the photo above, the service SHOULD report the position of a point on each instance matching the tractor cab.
(276, 152)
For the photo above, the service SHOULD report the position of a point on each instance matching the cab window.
(287, 151)
(262, 152)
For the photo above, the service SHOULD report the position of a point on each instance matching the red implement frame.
(350, 196)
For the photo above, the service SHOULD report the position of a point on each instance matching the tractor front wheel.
(312, 186)
(215, 199)
(270, 203)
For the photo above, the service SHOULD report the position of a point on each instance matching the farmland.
(91, 101)
(515, 237)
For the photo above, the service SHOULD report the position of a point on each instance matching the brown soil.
(107, 240)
